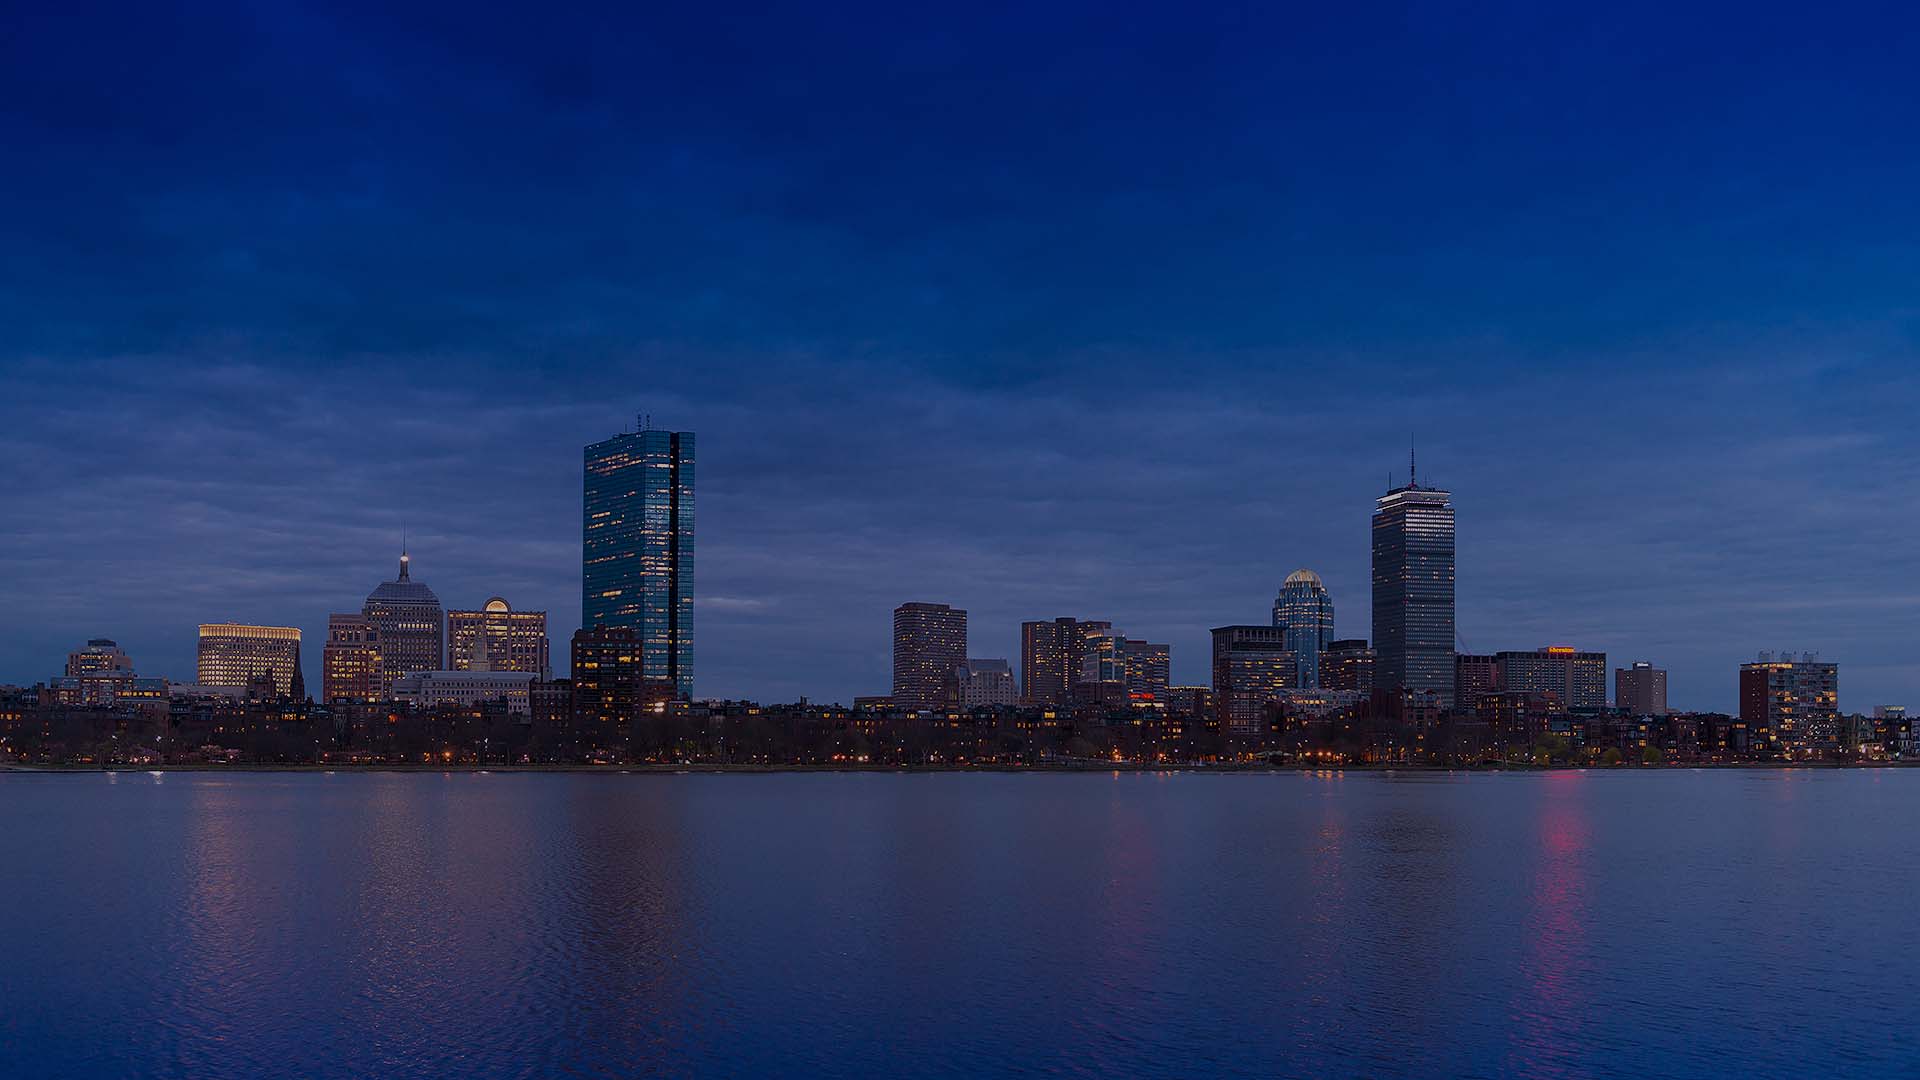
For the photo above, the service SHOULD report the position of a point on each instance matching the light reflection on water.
(1174, 924)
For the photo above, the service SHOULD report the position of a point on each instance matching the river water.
(1758, 922)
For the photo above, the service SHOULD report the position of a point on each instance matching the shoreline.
(1062, 768)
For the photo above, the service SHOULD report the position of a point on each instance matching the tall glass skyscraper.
(637, 547)
(1413, 630)
(1304, 609)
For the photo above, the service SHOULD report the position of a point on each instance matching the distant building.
(1103, 666)
(1052, 654)
(500, 637)
(467, 689)
(929, 642)
(1474, 676)
(350, 665)
(1413, 591)
(99, 654)
(1521, 716)
(611, 681)
(1304, 610)
(104, 688)
(1791, 704)
(1251, 667)
(1149, 669)
(637, 546)
(1316, 703)
(1347, 664)
(1190, 701)
(236, 656)
(985, 682)
(411, 624)
(1577, 680)
(1641, 690)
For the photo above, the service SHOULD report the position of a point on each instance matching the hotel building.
(233, 655)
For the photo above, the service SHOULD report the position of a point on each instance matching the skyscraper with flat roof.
(1347, 665)
(1413, 628)
(1304, 610)
(1252, 666)
(1577, 680)
(236, 655)
(350, 667)
(1640, 689)
(1473, 677)
(929, 645)
(637, 547)
(1149, 670)
(1053, 657)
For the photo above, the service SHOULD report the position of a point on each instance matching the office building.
(1304, 610)
(1791, 704)
(1413, 591)
(637, 547)
(1641, 690)
(236, 656)
(1251, 667)
(1052, 658)
(929, 642)
(466, 689)
(498, 638)
(350, 665)
(1103, 667)
(99, 654)
(1347, 664)
(1577, 680)
(985, 682)
(1149, 669)
(611, 681)
(410, 623)
(1474, 676)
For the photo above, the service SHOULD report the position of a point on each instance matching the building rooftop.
(403, 590)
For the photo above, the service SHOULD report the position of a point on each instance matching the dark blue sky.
(1108, 310)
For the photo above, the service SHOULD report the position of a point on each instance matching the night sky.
(1109, 311)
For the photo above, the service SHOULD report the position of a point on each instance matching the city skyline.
(675, 492)
(1116, 317)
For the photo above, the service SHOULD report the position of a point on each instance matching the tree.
(1611, 757)
(1652, 755)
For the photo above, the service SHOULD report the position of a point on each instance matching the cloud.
(1127, 329)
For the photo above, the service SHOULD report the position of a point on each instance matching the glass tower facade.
(1304, 610)
(1413, 631)
(637, 547)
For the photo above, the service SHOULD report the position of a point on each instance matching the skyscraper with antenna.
(1413, 589)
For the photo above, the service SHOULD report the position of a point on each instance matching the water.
(1566, 924)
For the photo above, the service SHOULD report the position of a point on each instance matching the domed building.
(411, 623)
(1304, 610)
